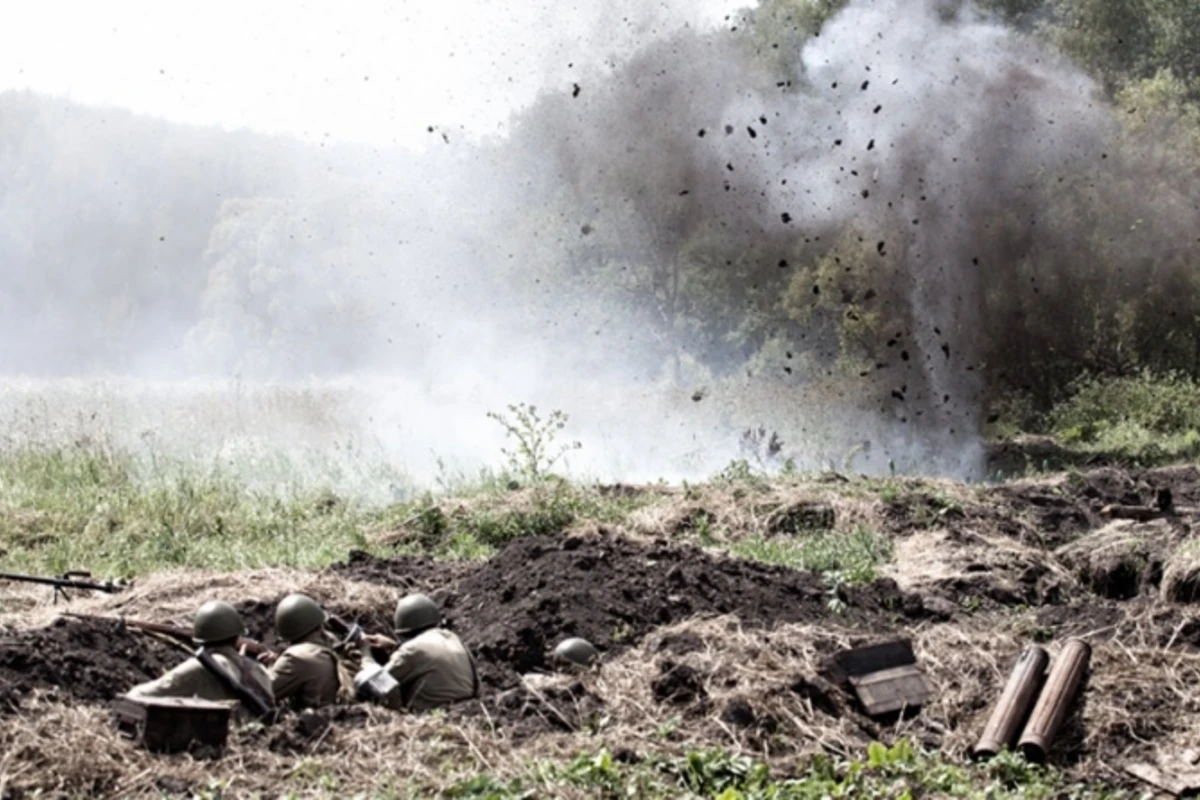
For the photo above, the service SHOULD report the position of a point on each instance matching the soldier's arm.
(405, 663)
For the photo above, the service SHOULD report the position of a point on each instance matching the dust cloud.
(228, 296)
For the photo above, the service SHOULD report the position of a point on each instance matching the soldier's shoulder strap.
(241, 688)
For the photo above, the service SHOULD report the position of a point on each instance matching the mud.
(1049, 512)
(309, 731)
(90, 661)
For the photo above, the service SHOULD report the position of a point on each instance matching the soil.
(613, 591)
(89, 661)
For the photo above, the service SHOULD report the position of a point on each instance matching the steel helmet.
(217, 621)
(298, 615)
(577, 651)
(416, 612)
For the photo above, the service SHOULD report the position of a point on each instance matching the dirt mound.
(613, 591)
(406, 573)
(1121, 559)
(92, 661)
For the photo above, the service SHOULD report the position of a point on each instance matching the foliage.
(899, 771)
(843, 557)
(1143, 418)
(534, 451)
(96, 509)
(79, 508)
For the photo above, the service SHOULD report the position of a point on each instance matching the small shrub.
(534, 451)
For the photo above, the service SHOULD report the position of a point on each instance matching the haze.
(346, 234)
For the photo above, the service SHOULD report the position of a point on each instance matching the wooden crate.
(173, 724)
(886, 677)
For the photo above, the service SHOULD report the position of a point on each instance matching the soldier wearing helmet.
(217, 627)
(430, 667)
(306, 673)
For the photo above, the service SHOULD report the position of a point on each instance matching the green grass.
(897, 772)
(850, 556)
(106, 512)
(1143, 420)
(76, 508)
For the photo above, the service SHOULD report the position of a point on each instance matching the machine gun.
(74, 579)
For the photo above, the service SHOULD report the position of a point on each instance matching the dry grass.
(1181, 577)
(174, 595)
(1140, 697)
(733, 511)
(73, 752)
(927, 558)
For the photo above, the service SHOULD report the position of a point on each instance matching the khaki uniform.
(306, 673)
(433, 669)
(191, 679)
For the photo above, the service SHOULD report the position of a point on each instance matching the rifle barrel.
(64, 583)
(253, 647)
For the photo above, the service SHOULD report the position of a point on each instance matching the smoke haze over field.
(670, 242)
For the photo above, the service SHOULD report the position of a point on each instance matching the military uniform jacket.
(306, 673)
(433, 669)
(191, 679)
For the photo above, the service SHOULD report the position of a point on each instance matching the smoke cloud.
(658, 245)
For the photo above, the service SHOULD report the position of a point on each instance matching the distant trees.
(635, 226)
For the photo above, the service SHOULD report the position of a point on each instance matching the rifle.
(73, 579)
(351, 633)
(176, 632)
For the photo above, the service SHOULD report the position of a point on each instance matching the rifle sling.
(249, 698)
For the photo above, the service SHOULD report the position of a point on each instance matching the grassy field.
(120, 515)
(98, 510)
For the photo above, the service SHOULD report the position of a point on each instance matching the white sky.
(363, 70)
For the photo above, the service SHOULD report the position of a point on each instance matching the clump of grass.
(898, 771)
(848, 556)
(78, 508)
(478, 519)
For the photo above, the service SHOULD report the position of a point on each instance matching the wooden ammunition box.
(173, 724)
(886, 677)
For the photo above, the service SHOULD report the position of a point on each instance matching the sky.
(367, 71)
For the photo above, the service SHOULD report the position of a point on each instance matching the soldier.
(217, 626)
(306, 673)
(574, 653)
(430, 666)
